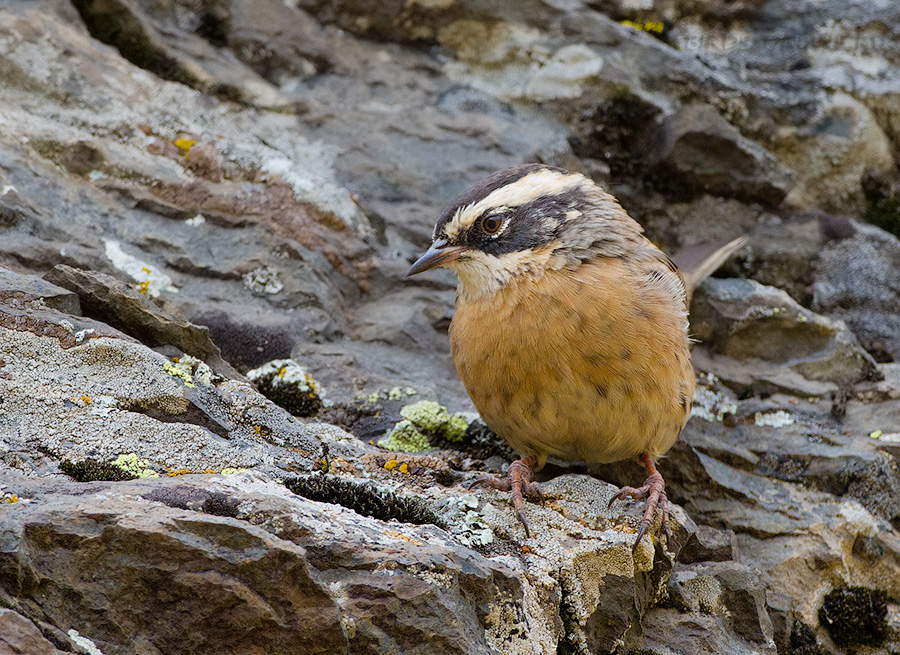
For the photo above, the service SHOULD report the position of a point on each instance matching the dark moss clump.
(92, 470)
(364, 499)
(855, 616)
(479, 442)
(803, 641)
(882, 204)
(298, 399)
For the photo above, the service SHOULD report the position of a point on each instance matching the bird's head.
(526, 220)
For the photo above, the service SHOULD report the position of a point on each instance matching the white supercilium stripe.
(542, 182)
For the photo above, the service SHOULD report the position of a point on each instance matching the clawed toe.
(492, 481)
(639, 493)
(653, 492)
(518, 483)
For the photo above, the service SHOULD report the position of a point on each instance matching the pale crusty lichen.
(777, 419)
(470, 528)
(132, 464)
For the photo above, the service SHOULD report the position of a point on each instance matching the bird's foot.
(654, 492)
(518, 482)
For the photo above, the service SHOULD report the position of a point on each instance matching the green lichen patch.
(92, 470)
(434, 419)
(855, 616)
(364, 499)
(423, 424)
(289, 385)
(405, 438)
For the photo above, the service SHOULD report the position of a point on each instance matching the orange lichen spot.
(526, 549)
(175, 474)
(400, 535)
(144, 287)
(391, 464)
(87, 400)
(210, 470)
(404, 468)
(12, 499)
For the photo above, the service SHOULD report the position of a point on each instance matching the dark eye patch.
(489, 184)
(530, 226)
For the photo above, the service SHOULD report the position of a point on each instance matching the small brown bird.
(570, 332)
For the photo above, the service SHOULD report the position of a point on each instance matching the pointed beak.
(438, 254)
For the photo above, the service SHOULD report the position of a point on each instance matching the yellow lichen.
(179, 372)
(652, 26)
(179, 472)
(185, 144)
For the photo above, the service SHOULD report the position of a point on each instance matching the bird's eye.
(491, 223)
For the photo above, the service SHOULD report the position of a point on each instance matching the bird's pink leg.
(518, 483)
(654, 492)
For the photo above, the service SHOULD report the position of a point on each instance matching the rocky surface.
(190, 191)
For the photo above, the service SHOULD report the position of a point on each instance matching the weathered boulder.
(747, 322)
(698, 152)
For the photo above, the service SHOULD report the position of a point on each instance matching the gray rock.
(858, 280)
(709, 545)
(19, 635)
(54, 297)
(107, 299)
(747, 321)
(288, 231)
(672, 631)
(728, 590)
(238, 538)
(698, 151)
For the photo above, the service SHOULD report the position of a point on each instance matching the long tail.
(697, 262)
